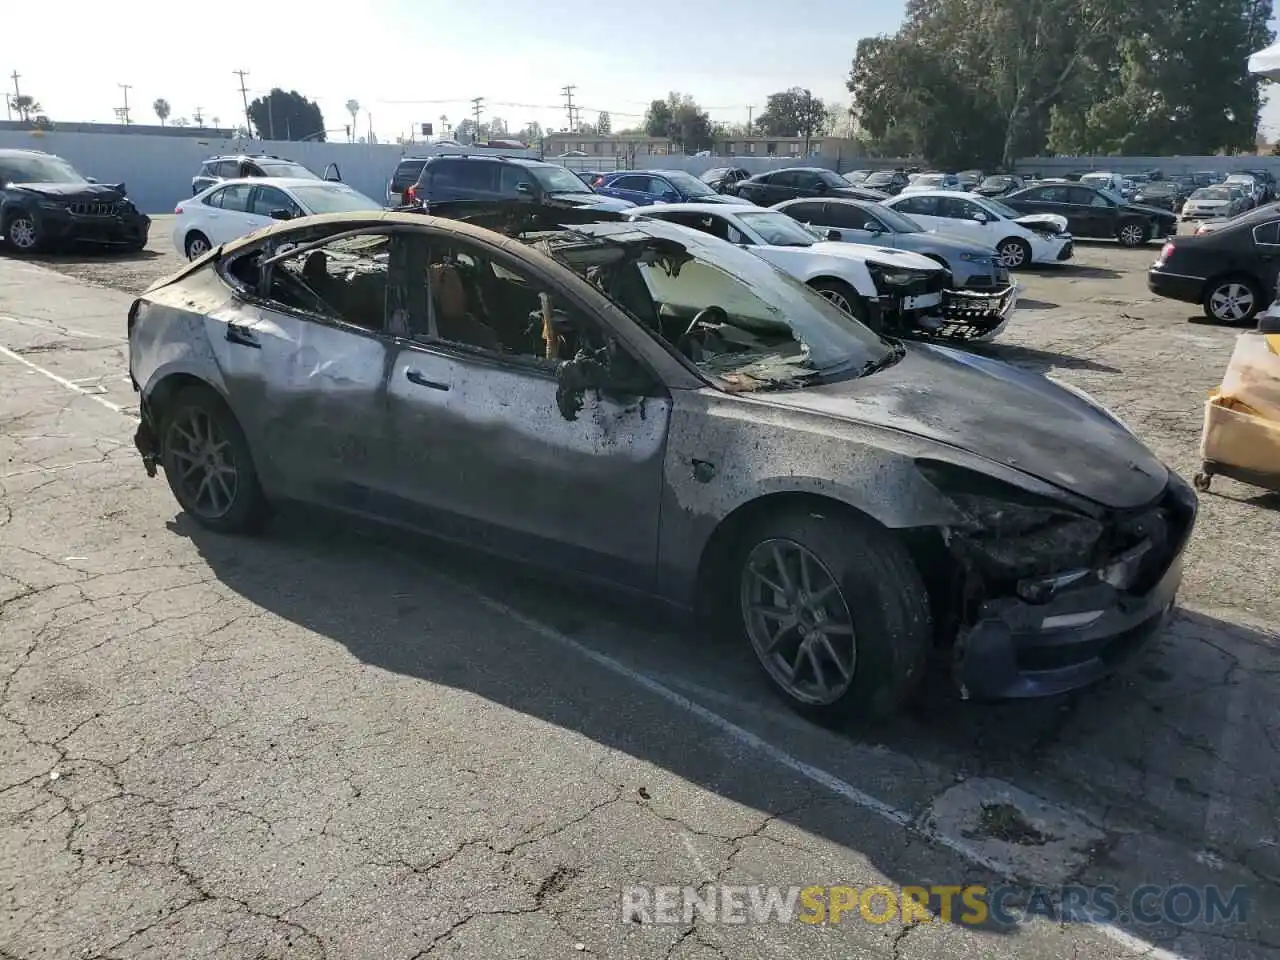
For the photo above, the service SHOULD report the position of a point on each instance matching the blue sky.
(408, 61)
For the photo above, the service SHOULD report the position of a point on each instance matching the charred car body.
(46, 204)
(641, 403)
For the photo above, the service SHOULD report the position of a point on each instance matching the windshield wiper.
(888, 360)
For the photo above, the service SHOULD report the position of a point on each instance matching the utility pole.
(124, 111)
(369, 117)
(567, 91)
(10, 105)
(244, 98)
(198, 117)
(477, 105)
(749, 128)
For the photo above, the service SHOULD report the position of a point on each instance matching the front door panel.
(485, 455)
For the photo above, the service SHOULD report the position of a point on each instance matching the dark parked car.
(216, 169)
(681, 419)
(644, 187)
(724, 179)
(400, 188)
(450, 177)
(45, 203)
(999, 185)
(1096, 212)
(792, 183)
(1231, 271)
(887, 181)
(1166, 194)
(858, 176)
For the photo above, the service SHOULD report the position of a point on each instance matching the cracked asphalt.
(335, 741)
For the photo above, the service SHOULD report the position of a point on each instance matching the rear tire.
(844, 608)
(1234, 300)
(1133, 233)
(208, 464)
(1014, 253)
(196, 245)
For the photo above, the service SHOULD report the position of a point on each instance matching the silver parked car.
(972, 265)
(1207, 202)
(649, 406)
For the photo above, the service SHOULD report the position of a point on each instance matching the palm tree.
(353, 108)
(25, 105)
(161, 107)
(214, 121)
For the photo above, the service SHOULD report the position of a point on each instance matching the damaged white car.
(1019, 240)
(893, 291)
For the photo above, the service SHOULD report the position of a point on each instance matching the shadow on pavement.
(1154, 742)
(88, 254)
(1072, 270)
(1039, 360)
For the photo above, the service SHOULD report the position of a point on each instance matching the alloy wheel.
(207, 471)
(197, 247)
(1012, 255)
(22, 233)
(1131, 235)
(798, 621)
(1232, 301)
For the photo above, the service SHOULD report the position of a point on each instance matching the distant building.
(607, 145)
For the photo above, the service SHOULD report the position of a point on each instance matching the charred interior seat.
(453, 320)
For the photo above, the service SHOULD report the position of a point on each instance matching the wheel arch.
(825, 277)
(167, 384)
(1238, 274)
(924, 544)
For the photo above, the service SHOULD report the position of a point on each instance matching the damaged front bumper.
(1061, 632)
(957, 315)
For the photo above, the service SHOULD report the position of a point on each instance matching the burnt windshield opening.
(744, 324)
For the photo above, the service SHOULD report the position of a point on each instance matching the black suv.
(467, 177)
(216, 169)
(45, 203)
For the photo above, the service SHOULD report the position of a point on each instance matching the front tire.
(22, 233)
(840, 294)
(208, 464)
(836, 612)
(1014, 253)
(1233, 300)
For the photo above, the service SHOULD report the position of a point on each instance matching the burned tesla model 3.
(647, 405)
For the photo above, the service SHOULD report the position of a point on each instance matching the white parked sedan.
(891, 290)
(1018, 239)
(232, 208)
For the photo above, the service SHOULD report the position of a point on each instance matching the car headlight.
(1008, 534)
(885, 275)
(1091, 401)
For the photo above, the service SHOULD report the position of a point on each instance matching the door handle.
(238, 333)
(414, 376)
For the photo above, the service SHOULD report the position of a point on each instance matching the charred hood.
(999, 412)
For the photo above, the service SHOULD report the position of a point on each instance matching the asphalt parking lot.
(336, 742)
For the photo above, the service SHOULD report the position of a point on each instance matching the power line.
(124, 111)
(244, 96)
(477, 105)
(198, 117)
(11, 105)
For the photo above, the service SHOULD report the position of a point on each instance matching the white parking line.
(55, 328)
(741, 735)
(64, 382)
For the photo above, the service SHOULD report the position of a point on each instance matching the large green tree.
(286, 115)
(793, 113)
(680, 118)
(988, 81)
